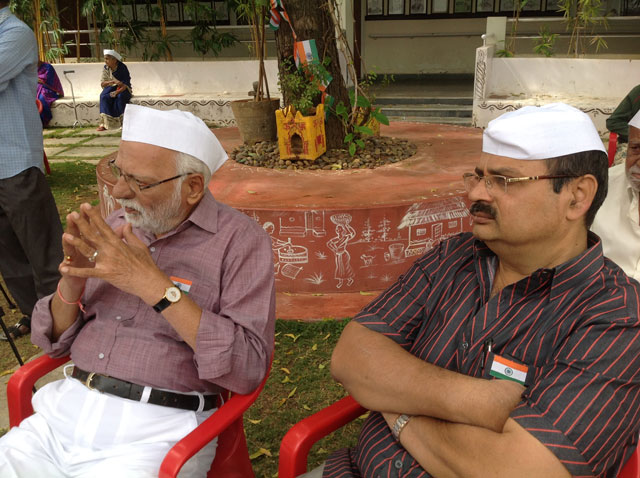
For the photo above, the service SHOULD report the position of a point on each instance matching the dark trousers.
(30, 238)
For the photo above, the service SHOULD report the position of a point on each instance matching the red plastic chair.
(300, 438)
(613, 145)
(46, 161)
(232, 455)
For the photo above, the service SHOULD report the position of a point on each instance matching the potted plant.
(256, 117)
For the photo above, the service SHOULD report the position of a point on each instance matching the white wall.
(224, 78)
(574, 77)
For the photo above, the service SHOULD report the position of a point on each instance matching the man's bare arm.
(447, 450)
(382, 376)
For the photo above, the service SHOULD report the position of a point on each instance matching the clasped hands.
(92, 249)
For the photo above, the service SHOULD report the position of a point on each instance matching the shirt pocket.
(204, 293)
(109, 303)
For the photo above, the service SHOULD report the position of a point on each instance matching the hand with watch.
(171, 296)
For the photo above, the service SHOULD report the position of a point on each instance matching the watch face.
(172, 294)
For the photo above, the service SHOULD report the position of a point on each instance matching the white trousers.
(77, 432)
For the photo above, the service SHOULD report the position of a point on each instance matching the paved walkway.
(84, 144)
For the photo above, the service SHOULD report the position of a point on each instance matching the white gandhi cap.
(635, 121)
(541, 132)
(176, 130)
(112, 53)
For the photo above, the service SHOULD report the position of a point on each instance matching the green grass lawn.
(300, 382)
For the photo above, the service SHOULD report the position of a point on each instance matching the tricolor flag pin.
(508, 370)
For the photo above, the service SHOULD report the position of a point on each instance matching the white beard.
(634, 181)
(157, 219)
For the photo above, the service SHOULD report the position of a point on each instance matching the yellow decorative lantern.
(301, 137)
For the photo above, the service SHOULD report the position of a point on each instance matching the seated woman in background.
(116, 91)
(49, 90)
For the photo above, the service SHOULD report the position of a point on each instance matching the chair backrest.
(613, 145)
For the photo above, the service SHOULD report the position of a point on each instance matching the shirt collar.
(4, 13)
(573, 273)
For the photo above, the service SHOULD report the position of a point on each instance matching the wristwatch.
(171, 296)
(399, 425)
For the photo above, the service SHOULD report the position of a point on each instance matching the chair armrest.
(212, 427)
(631, 468)
(21, 384)
(300, 438)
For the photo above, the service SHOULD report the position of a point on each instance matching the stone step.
(432, 111)
(413, 100)
(425, 119)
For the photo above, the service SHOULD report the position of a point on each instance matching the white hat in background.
(174, 129)
(541, 132)
(112, 53)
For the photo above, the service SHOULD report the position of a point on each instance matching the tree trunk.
(311, 20)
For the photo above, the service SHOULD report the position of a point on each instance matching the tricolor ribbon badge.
(506, 369)
(183, 284)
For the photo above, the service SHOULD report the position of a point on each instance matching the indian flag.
(508, 370)
(305, 52)
(183, 284)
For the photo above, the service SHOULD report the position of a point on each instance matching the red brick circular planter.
(340, 237)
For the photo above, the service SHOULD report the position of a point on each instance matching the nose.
(479, 192)
(121, 189)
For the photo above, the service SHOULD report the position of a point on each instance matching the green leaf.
(360, 143)
(380, 117)
(363, 130)
(348, 138)
(363, 102)
(352, 149)
(341, 109)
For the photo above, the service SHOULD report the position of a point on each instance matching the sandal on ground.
(101, 128)
(22, 328)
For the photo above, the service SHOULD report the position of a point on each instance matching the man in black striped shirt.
(513, 351)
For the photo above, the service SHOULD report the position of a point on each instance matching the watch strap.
(162, 304)
(399, 425)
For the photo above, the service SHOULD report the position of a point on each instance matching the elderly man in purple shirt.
(162, 306)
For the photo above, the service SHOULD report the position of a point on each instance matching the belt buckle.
(88, 381)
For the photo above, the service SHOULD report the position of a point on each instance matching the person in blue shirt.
(30, 229)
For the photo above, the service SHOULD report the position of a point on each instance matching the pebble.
(378, 151)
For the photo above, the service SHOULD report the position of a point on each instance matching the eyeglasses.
(471, 180)
(133, 182)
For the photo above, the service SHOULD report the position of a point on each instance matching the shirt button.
(100, 355)
(464, 345)
(118, 317)
(397, 464)
(152, 249)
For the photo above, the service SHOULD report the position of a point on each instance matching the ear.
(582, 191)
(194, 188)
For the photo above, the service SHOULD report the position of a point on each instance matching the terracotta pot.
(256, 119)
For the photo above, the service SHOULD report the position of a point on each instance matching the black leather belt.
(132, 391)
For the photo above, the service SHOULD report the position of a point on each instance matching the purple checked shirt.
(227, 258)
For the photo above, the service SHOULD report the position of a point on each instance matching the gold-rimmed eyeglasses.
(134, 183)
(499, 182)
